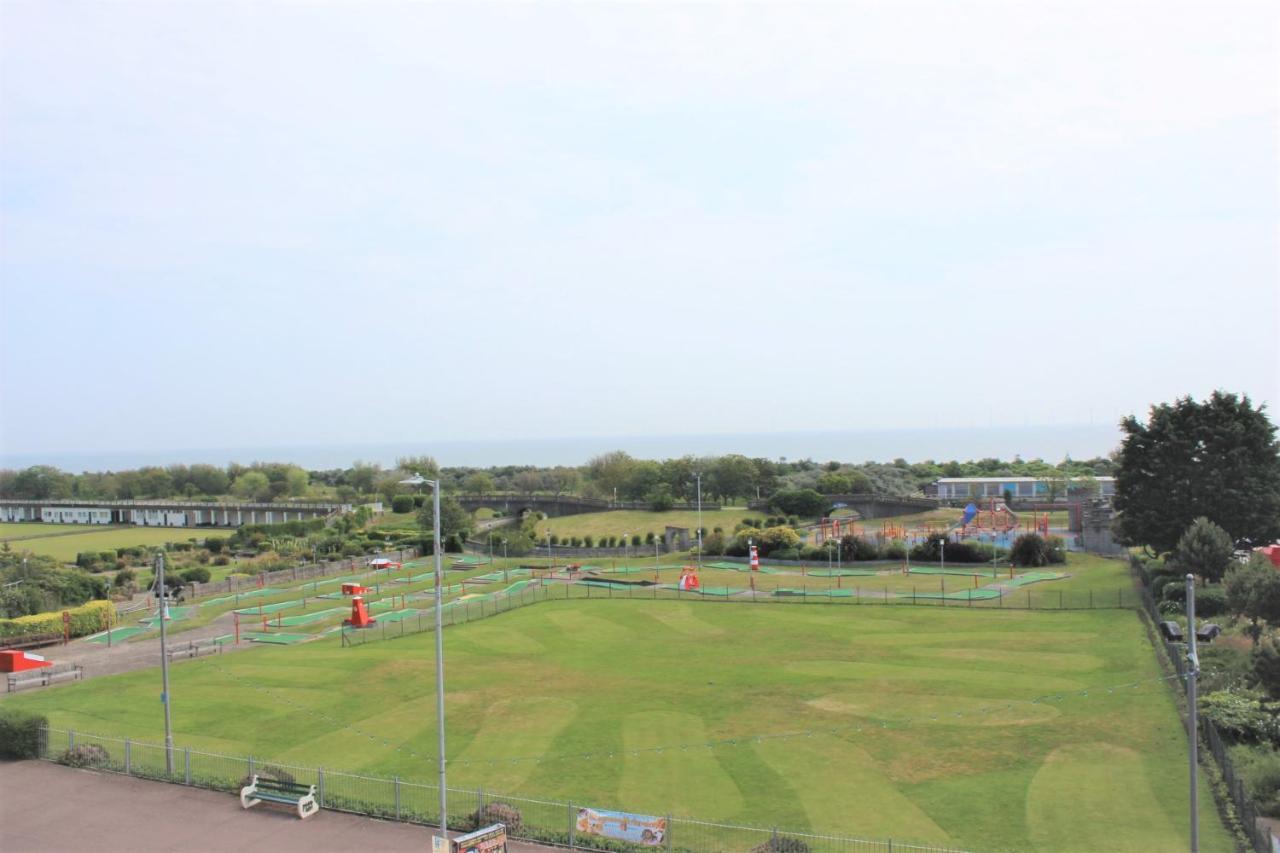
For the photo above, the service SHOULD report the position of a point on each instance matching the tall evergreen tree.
(1218, 459)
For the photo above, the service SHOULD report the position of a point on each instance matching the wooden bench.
(302, 797)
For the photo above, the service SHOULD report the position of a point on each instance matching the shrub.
(781, 844)
(1033, 550)
(1260, 767)
(198, 574)
(20, 733)
(589, 541)
(401, 504)
(268, 771)
(785, 554)
(854, 548)
(85, 755)
(214, 544)
(85, 619)
(555, 540)
(636, 540)
(806, 502)
(222, 560)
(499, 813)
(1244, 715)
(649, 537)
(893, 551)
(88, 560)
(661, 500)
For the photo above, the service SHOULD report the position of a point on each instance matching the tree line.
(616, 475)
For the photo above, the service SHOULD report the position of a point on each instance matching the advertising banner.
(636, 828)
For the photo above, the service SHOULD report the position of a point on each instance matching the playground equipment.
(1038, 523)
(383, 563)
(755, 559)
(689, 578)
(355, 589)
(360, 617)
(998, 518)
(836, 528)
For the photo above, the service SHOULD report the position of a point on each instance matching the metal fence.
(485, 605)
(1259, 836)
(544, 821)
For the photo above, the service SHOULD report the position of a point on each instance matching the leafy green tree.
(560, 480)
(454, 520)
(527, 482)
(1206, 550)
(363, 475)
(1218, 459)
(660, 499)
(642, 478)
(478, 483)
(1253, 592)
(609, 471)
(252, 485)
(41, 481)
(834, 484)
(802, 502)
(732, 476)
(297, 481)
(209, 479)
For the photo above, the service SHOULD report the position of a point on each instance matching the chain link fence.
(483, 605)
(544, 821)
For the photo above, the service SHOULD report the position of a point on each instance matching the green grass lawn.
(11, 530)
(1102, 771)
(65, 548)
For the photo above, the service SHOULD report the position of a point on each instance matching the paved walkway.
(49, 808)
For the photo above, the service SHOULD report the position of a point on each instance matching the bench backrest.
(283, 787)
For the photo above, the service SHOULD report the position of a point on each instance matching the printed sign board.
(636, 828)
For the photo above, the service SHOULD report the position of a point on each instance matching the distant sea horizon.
(1051, 443)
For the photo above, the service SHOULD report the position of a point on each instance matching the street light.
(436, 547)
(625, 553)
(551, 561)
(942, 553)
(698, 475)
(164, 664)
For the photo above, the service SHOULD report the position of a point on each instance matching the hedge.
(20, 733)
(85, 619)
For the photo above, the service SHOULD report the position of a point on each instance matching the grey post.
(699, 476)
(438, 547)
(1193, 717)
(164, 666)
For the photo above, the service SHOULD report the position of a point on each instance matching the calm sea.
(1052, 443)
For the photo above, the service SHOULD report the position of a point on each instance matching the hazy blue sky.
(274, 224)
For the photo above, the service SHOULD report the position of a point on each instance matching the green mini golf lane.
(118, 634)
(840, 573)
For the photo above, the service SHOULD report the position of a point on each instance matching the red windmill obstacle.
(360, 617)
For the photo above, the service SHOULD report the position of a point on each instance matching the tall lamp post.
(437, 547)
(164, 664)
(698, 475)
